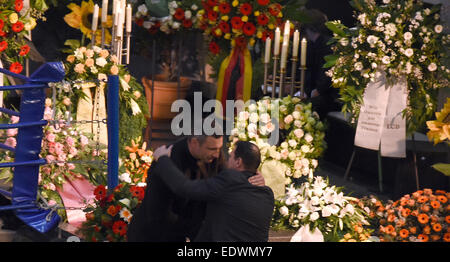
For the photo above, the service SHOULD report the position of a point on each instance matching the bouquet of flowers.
(182, 16)
(108, 218)
(241, 22)
(320, 206)
(15, 23)
(401, 38)
(95, 64)
(8, 138)
(300, 130)
(137, 163)
(419, 217)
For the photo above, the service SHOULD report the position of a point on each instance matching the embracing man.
(164, 216)
(236, 210)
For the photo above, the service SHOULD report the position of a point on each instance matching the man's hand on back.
(162, 151)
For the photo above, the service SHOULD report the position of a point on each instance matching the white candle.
(276, 50)
(115, 2)
(95, 18)
(129, 17)
(268, 49)
(295, 44)
(303, 56)
(119, 22)
(105, 11)
(287, 28)
(284, 51)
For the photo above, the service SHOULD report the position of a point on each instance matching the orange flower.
(434, 219)
(391, 218)
(112, 211)
(403, 202)
(411, 202)
(425, 208)
(447, 219)
(440, 192)
(427, 230)
(420, 192)
(413, 230)
(422, 237)
(389, 229)
(435, 204)
(442, 199)
(404, 233)
(437, 227)
(435, 237)
(406, 212)
(427, 191)
(415, 212)
(422, 199)
(447, 237)
(422, 218)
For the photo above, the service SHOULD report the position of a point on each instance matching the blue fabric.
(113, 134)
(29, 139)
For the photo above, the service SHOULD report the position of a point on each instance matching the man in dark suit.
(236, 210)
(166, 217)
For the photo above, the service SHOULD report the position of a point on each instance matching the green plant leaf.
(335, 29)
(73, 43)
(443, 168)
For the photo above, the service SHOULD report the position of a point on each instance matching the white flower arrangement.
(400, 37)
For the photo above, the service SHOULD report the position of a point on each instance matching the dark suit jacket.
(162, 215)
(236, 210)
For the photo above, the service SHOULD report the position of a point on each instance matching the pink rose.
(70, 142)
(50, 137)
(71, 166)
(298, 164)
(50, 158)
(11, 141)
(73, 151)
(15, 119)
(59, 149)
(62, 157)
(83, 140)
(11, 132)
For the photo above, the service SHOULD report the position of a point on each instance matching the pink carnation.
(11, 141)
(70, 142)
(15, 119)
(50, 137)
(83, 140)
(50, 158)
(73, 151)
(71, 166)
(11, 132)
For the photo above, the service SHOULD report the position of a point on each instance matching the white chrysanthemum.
(407, 36)
(409, 52)
(372, 40)
(386, 60)
(314, 216)
(438, 29)
(432, 67)
(358, 66)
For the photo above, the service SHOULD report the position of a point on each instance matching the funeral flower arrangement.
(319, 205)
(138, 161)
(401, 38)
(418, 217)
(301, 134)
(90, 67)
(182, 15)
(15, 23)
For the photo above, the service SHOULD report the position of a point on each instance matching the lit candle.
(104, 11)
(115, 2)
(276, 50)
(284, 51)
(287, 28)
(95, 18)
(268, 46)
(295, 44)
(129, 17)
(303, 55)
(119, 20)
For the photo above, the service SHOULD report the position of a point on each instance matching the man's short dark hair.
(249, 153)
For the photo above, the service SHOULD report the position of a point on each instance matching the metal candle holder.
(93, 38)
(274, 75)
(282, 73)
(302, 80)
(293, 72)
(128, 48)
(266, 69)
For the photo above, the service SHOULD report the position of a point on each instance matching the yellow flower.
(13, 18)
(227, 36)
(216, 8)
(252, 42)
(280, 14)
(235, 3)
(257, 13)
(201, 12)
(218, 32)
(259, 34)
(225, 18)
(271, 26)
(30, 24)
(347, 236)
(244, 18)
(80, 18)
(440, 128)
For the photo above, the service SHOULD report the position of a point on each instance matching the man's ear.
(239, 163)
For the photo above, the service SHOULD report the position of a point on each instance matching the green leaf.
(73, 43)
(40, 5)
(443, 168)
(335, 28)
(330, 60)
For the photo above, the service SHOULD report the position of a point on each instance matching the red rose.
(267, 34)
(212, 16)
(19, 5)
(241, 41)
(140, 22)
(224, 8)
(236, 22)
(275, 9)
(249, 29)
(3, 46)
(2, 33)
(224, 27)
(100, 192)
(24, 50)
(154, 29)
(2, 24)
(120, 227)
(179, 14)
(263, 19)
(211, 3)
(187, 23)
(246, 9)
(16, 67)
(17, 27)
(214, 48)
(263, 2)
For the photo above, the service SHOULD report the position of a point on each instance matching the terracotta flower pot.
(165, 95)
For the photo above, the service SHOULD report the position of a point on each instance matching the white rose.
(407, 36)
(292, 156)
(438, 29)
(297, 174)
(253, 117)
(315, 163)
(358, 66)
(284, 145)
(142, 9)
(372, 40)
(292, 143)
(409, 52)
(386, 60)
(305, 148)
(188, 14)
(172, 4)
(265, 118)
(326, 211)
(284, 211)
(288, 119)
(432, 67)
(125, 177)
(101, 61)
(194, 7)
(252, 107)
(176, 25)
(299, 133)
(309, 138)
(297, 123)
(314, 216)
(296, 115)
(305, 171)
